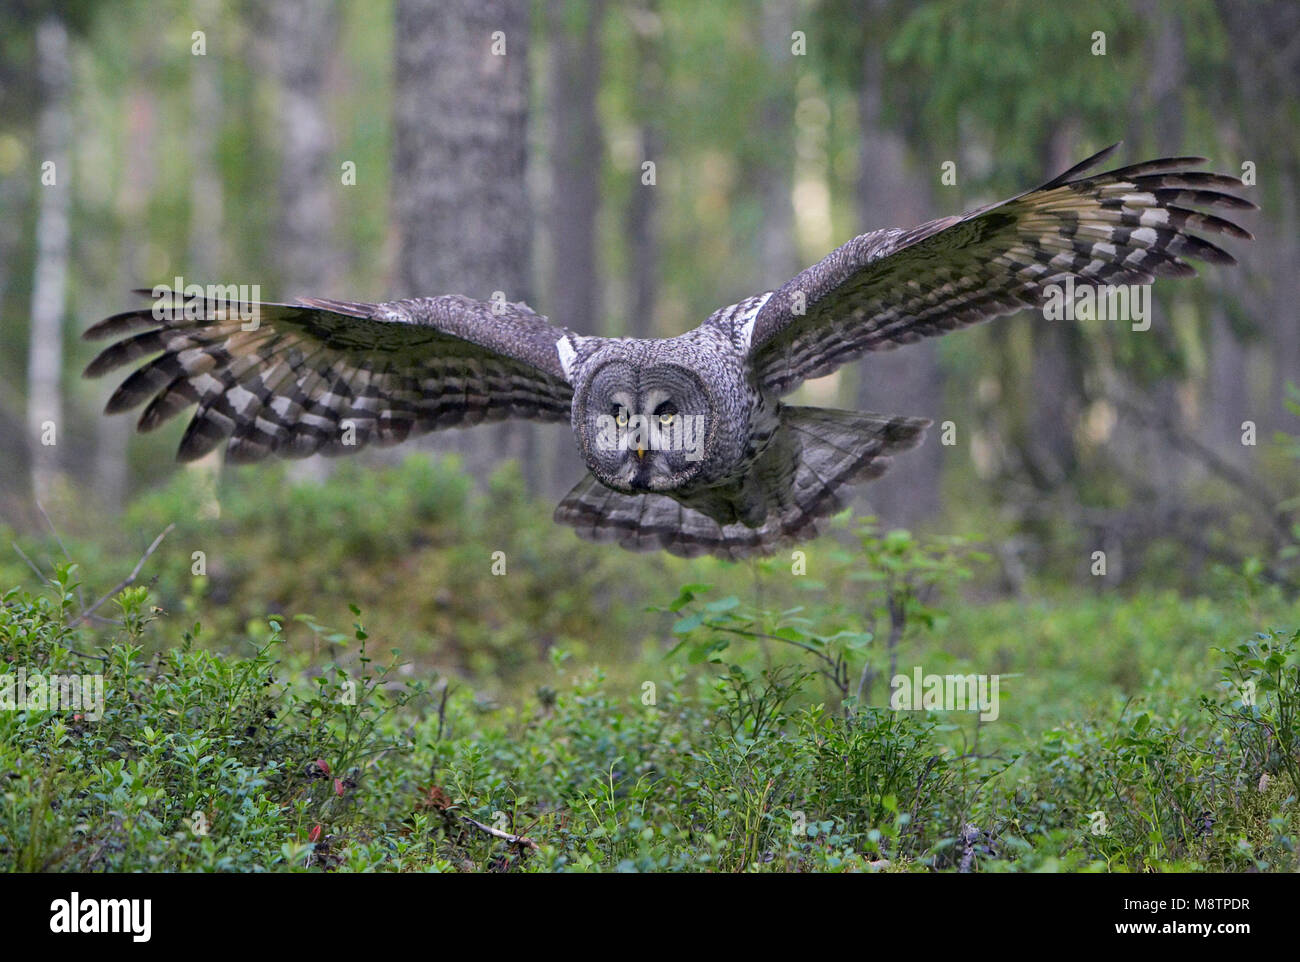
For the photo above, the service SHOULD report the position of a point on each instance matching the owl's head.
(644, 427)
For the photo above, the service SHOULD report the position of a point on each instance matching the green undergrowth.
(720, 756)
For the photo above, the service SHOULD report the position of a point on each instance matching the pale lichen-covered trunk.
(459, 197)
(49, 287)
(303, 39)
(460, 146)
(304, 34)
(139, 172)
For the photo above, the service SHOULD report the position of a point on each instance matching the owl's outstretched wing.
(331, 376)
(895, 286)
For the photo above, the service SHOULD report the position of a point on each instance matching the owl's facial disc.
(644, 428)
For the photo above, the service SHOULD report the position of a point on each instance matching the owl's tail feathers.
(842, 448)
(799, 481)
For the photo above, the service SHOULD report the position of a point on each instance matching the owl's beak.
(640, 452)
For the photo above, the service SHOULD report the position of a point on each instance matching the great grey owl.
(687, 443)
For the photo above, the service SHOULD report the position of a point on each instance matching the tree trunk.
(907, 381)
(113, 434)
(304, 34)
(1283, 252)
(15, 195)
(641, 215)
(1228, 399)
(206, 258)
(778, 258)
(1262, 104)
(1167, 81)
(1166, 84)
(1056, 401)
(576, 148)
(49, 287)
(459, 196)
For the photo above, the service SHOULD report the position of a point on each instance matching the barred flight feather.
(893, 287)
(308, 372)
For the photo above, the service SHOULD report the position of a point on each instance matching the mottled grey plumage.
(332, 376)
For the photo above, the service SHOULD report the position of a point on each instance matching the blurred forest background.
(626, 168)
(378, 150)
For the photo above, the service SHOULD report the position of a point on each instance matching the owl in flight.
(687, 443)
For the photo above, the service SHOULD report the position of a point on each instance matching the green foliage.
(202, 761)
(413, 544)
(1262, 707)
(197, 761)
(263, 762)
(736, 730)
(893, 579)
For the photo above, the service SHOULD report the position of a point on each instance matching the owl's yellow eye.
(666, 412)
(621, 417)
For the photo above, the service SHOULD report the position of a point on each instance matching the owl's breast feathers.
(793, 485)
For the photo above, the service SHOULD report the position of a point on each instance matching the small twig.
(129, 579)
(920, 780)
(54, 531)
(442, 709)
(30, 563)
(897, 621)
(82, 654)
(62, 547)
(748, 633)
(497, 833)
(108, 837)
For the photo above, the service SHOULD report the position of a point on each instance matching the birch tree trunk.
(49, 288)
(113, 434)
